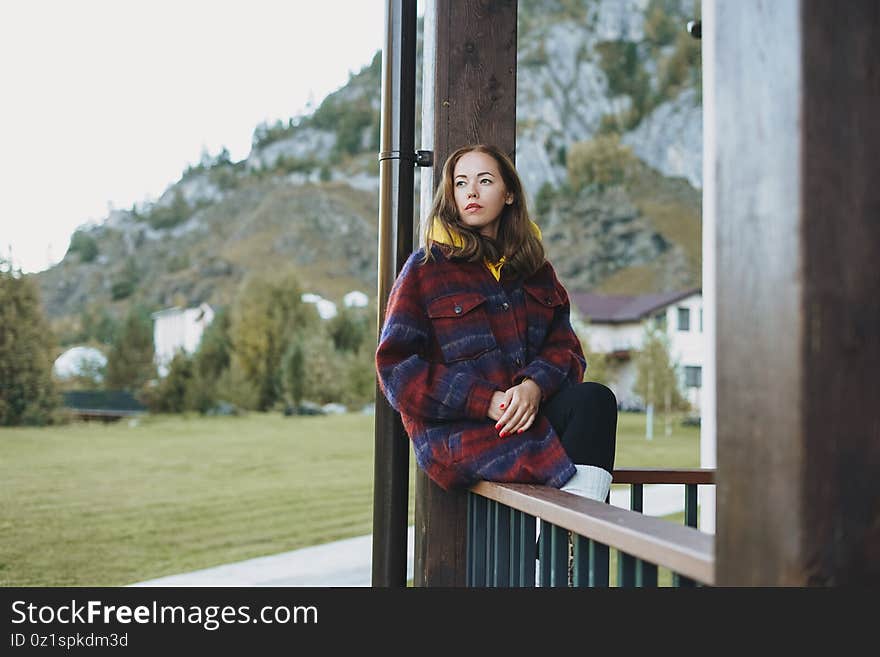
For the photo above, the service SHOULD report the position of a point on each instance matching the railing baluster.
(527, 543)
(626, 564)
(690, 519)
(559, 557)
(490, 542)
(637, 497)
(469, 548)
(545, 552)
(646, 574)
(581, 575)
(690, 505)
(479, 567)
(599, 557)
(515, 553)
(502, 546)
(626, 570)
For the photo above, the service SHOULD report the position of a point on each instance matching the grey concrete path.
(347, 562)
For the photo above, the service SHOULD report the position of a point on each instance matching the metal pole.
(396, 177)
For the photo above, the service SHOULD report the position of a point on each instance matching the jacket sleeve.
(560, 361)
(412, 384)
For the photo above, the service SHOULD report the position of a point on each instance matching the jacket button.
(505, 305)
(548, 301)
(458, 310)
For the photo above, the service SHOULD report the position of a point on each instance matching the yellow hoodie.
(440, 234)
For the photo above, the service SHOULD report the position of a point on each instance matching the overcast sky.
(105, 102)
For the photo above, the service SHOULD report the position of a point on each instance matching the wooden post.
(796, 99)
(474, 101)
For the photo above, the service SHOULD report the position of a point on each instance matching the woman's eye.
(485, 180)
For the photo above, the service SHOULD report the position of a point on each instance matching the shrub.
(85, 245)
(602, 161)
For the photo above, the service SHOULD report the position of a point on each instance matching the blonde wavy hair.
(516, 241)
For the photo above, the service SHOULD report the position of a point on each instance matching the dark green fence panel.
(559, 557)
(646, 574)
(490, 541)
(690, 505)
(502, 543)
(481, 505)
(600, 557)
(471, 524)
(526, 565)
(581, 566)
(544, 552)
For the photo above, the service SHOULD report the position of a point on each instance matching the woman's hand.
(516, 408)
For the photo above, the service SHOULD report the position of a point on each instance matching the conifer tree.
(27, 393)
(130, 362)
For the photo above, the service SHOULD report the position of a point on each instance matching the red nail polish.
(521, 430)
(501, 406)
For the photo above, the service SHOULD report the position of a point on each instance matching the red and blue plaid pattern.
(452, 336)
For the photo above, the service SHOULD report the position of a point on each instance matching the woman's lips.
(473, 208)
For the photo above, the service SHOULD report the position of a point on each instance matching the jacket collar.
(439, 233)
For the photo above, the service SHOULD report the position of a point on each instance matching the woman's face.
(480, 194)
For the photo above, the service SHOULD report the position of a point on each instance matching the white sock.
(589, 481)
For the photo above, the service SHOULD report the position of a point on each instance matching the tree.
(27, 393)
(130, 363)
(99, 325)
(209, 363)
(171, 395)
(268, 314)
(602, 161)
(348, 330)
(84, 244)
(657, 379)
(294, 373)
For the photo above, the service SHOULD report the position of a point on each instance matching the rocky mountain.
(306, 196)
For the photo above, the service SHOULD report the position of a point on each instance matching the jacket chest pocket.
(542, 304)
(461, 325)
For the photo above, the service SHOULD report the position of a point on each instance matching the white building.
(616, 326)
(326, 308)
(355, 299)
(178, 328)
(80, 361)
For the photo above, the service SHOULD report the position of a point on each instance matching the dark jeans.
(585, 418)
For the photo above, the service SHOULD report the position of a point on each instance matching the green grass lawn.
(90, 504)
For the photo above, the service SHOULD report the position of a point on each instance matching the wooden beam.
(664, 476)
(474, 101)
(798, 309)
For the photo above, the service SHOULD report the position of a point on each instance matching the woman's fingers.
(509, 418)
(527, 422)
(521, 417)
(514, 421)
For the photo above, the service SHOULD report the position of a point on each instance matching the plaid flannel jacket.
(452, 336)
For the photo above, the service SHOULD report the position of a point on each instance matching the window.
(660, 320)
(693, 376)
(684, 319)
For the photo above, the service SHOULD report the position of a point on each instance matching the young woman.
(477, 352)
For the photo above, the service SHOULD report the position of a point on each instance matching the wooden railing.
(578, 534)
